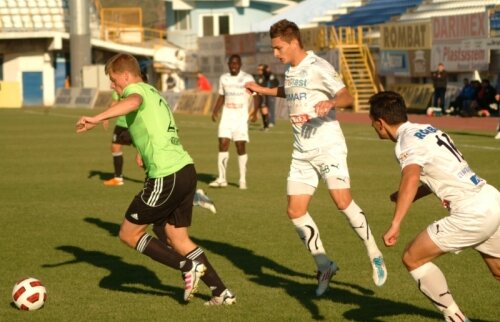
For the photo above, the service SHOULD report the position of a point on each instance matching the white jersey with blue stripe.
(444, 169)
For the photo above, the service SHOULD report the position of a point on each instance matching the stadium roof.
(302, 14)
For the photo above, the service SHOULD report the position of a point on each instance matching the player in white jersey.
(429, 155)
(234, 120)
(313, 90)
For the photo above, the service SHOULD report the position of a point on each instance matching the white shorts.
(329, 163)
(473, 223)
(234, 129)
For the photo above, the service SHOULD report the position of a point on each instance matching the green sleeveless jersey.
(154, 133)
(120, 120)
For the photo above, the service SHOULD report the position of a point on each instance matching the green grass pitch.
(60, 225)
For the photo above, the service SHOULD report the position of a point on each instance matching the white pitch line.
(492, 148)
(76, 117)
(206, 125)
(469, 146)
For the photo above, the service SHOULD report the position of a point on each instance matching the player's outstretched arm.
(342, 99)
(86, 123)
(125, 106)
(408, 186)
(253, 87)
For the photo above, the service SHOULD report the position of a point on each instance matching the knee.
(294, 213)
(342, 204)
(240, 149)
(127, 239)
(495, 271)
(409, 261)
(342, 198)
(342, 201)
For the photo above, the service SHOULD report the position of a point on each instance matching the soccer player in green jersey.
(166, 201)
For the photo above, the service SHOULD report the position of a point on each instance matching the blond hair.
(120, 63)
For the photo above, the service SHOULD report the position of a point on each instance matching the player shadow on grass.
(122, 276)
(111, 227)
(207, 178)
(264, 271)
(109, 175)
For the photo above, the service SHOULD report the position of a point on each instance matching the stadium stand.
(302, 14)
(374, 12)
(33, 15)
(333, 14)
(495, 21)
(437, 8)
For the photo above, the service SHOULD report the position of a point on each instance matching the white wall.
(15, 65)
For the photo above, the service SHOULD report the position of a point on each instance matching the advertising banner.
(420, 62)
(405, 36)
(458, 28)
(458, 58)
(394, 62)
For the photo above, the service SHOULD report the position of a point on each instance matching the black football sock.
(118, 164)
(211, 279)
(265, 120)
(160, 252)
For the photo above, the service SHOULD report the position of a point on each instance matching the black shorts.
(264, 101)
(121, 136)
(165, 200)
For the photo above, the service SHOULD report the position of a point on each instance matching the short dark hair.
(234, 56)
(388, 106)
(287, 30)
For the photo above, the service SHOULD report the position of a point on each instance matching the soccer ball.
(29, 294)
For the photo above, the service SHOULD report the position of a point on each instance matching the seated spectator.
(464, 98)
(486, 96)
(472, 107)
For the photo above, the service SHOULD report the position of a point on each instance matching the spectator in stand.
(464, 98)
(485, 97)
(440, 81)
(472, 108)
(203, 83)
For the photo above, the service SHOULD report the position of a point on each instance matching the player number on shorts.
(450, 146)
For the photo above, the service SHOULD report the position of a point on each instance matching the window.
(182, 20)
(223, 25)
(208, 26)
(215, 25)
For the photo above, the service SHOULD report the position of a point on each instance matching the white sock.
(432, 283)
(358, 222)
(242, 162)
(222, 164)
(309, 234)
